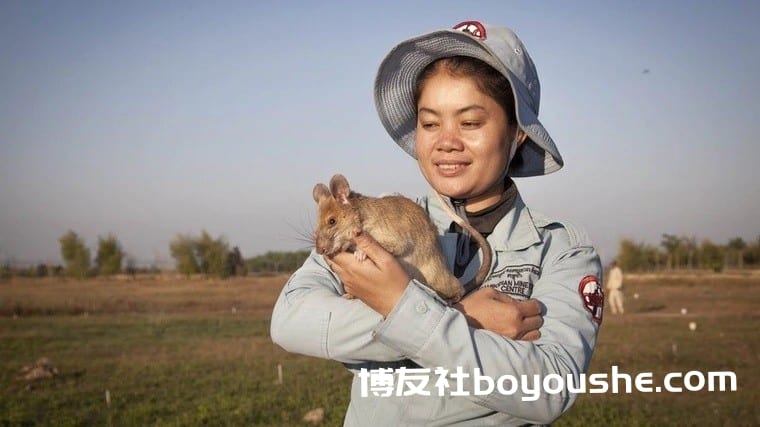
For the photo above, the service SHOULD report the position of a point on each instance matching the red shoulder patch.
(473, 28)
(592, 295)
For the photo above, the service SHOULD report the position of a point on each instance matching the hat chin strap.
(516, 143)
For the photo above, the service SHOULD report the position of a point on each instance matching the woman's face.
(462, 140)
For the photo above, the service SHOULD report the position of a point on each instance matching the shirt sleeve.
(312, 318)
(434, 335)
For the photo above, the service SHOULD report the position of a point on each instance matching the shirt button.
(421, 308)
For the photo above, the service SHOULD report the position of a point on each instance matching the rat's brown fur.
(398, 224)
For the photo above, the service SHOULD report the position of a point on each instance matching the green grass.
(179, 353)
(160, 370)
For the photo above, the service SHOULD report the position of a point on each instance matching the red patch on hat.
(473, 28)
(592, 295)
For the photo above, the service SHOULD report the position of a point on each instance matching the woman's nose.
(449, 139)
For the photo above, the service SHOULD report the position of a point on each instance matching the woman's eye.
(428, 125)
(470, 124)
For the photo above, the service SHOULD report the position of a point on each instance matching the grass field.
(158, 351)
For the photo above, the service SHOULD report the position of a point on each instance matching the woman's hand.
(495, 311)
(379, 280)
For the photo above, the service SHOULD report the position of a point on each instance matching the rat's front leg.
(359, 254)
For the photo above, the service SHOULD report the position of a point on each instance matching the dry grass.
(654, 336)
(161, 294)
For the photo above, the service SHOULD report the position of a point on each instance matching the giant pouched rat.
(400, 226)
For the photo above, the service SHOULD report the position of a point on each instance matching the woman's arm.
(311, 317)
(422, 328)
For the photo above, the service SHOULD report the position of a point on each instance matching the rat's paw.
(360, 255)
(455, 299)
(348, 296)
(452, 296)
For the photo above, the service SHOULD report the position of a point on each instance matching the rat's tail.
(485, 247)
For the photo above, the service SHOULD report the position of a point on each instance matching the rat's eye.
(331, 221)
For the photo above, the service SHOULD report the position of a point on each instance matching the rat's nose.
(319, 245)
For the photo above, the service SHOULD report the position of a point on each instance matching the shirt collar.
(517, 228)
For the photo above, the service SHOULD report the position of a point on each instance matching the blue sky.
(149, 119)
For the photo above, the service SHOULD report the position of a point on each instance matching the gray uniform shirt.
(533, 257)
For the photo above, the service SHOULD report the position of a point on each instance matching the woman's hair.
(488, 80)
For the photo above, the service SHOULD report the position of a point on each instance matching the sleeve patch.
(592, 296)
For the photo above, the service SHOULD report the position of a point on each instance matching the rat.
(400, 226)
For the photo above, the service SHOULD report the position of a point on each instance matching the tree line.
(193, 254)
(213, 257)
(683, 252)
(110, 258)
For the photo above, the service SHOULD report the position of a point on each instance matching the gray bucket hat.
(498, 47)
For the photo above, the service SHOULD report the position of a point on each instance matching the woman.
(464, 103)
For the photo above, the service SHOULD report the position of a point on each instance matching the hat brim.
(394, 97)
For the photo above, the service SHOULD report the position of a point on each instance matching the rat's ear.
(320, 192)
(339, 188)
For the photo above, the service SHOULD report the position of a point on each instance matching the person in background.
(615, 288)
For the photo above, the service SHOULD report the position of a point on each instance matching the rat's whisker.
(303, 233)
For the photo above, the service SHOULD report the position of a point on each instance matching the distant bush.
(75, 255)
(182, 249)
(206, 255)
(277, 262)
(41, 270)
(5, 271)
(109, 257)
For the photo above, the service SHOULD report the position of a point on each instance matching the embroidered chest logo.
(592, 295)
(514, 280)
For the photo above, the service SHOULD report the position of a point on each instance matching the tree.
(201, 254)
(637, 256)
(110, 255)
(711, 256)
(737, 246)
(672, 244)
(628, 255)
(752, 253)
(182, 249)
(212, 254)
(236, 263)
(41, 270)
(689, 245)
(75, 255)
